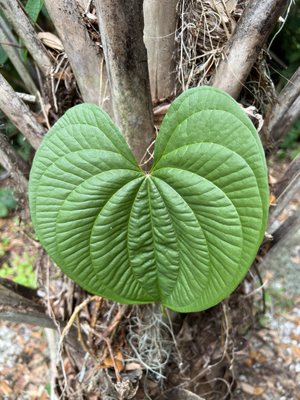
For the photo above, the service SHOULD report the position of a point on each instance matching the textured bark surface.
(159, 37)
(85, 59)
(252, 31)
(278, 259)
(121, 27)
(290, 225)
(285, 124)
(20, 115)
(13, 11)
(14, 164)
(285, 111)
(292, 172)
(283, 200)
(20, 304)
(13, 54)
(286, 190)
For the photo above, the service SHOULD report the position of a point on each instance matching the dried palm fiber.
(203, 29)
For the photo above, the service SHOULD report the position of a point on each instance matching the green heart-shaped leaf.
(183, 235)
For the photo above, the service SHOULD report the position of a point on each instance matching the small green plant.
(4, 245)
(20, 270)
(7, 202)
(276, 297)
(183, 234)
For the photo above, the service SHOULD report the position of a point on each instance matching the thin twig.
(73, 318)
(16, 166)
(258, 20)
(45, 114)
(83, 55)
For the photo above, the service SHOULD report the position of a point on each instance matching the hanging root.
(150, 341)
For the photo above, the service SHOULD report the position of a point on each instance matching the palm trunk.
(126, 63)
(13, 11)
(159, 37)
(84, 56)
(244, 46)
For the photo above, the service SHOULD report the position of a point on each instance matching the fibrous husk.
(203, 30)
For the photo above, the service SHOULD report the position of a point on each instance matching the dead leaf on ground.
(272, 198)
(5, 389)
(296, 351)
(272, 179)
(118, 362)
(293, 336)
(258, 357)
(254, 390)
(293, 318)
(132, 366)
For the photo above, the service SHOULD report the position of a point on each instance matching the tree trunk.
(282, 202)
(121, 27)
(159, 37)
(292, 172)
(21, 304)
(284, 112)
(284, 121)
(13, 53)
(282, 238)
(20, 115)
(14, 164)
(244, 46)
(13, 11)
(292, 224)
(85, 58)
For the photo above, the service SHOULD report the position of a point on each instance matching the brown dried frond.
(203, 29)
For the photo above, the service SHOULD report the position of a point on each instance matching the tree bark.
(84, 57)
(121, 27)
(282, 238)
(159, 37)
(284, 124)
(286, 190)
(20, 115)
(20, 304)
(285, 112)
(13, 54)
(15, 14)
(291, 224)
(290, 174)
(244, 46)
(14, 164)
(281, 203)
